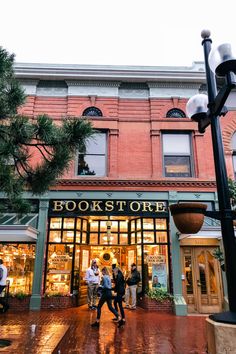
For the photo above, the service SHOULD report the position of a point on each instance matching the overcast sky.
(122, 32)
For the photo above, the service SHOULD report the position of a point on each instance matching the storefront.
(112, 231)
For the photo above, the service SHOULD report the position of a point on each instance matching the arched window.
(92, 112)
(175, 113)
(233, 145)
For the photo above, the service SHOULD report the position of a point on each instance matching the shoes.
(132, 308)
(115, 319)
(95, 324)
(94, 307)
(121, 323)
(127, 306)
(90, 307)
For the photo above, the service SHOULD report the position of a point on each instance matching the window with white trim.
(177, 160)
(93, 162)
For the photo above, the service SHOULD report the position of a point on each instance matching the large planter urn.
(188, 217)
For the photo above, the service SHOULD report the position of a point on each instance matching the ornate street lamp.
(206, 110)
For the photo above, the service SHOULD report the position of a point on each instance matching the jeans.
(131, 292)
(2, 299)
(106, 297)
(119, 300)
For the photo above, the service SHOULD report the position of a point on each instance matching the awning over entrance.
(18, 229)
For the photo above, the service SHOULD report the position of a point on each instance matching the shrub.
(159, 294)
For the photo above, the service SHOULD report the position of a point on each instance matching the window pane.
(93, 239)
(133, 238)
(133, 225)
(177, 166)
(94, 226)
(161, 237)
(123, 239)
(176, 143)
(96, 144)
(69, 223)
(85, 224)
(123, 226)
(78, 224)
(55, 223)
(68, 236)
(83, 166)
(84, 237)
(108, 240)
(59, 269)
(234, 164)
(233, 142)
(19, 260)
(92, 165)
(55, 236)
(160, 224)
(148, 224)
(77, 237)
(148, 237)
(139, 237)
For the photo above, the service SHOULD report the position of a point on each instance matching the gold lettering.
(96, 206)
(58, 205)
(160, 206)
(80, 205)
(109, 205)
(67, 205)
(121, 204)
(138, 206)
(147, 206)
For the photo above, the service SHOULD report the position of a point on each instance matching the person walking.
(119, 289)
(3, 283)
(131, 289)
(92, 278)
(106, 297)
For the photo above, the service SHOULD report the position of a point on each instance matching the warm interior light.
(196, 107)
(221, 60)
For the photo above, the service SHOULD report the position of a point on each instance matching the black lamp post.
(206, 110)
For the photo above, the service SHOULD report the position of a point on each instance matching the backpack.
(1, 273)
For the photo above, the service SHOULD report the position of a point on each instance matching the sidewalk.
(69, 331)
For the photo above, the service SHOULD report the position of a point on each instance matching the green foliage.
(232, 191)
(19, 295)
(33, 152)
(218, 254)
(159, 294)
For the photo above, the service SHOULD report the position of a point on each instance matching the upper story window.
(93, 162)
(92, 112)
(177, 155)
(175, 113)
(233, 142)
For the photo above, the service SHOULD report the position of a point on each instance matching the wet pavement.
(69, 331)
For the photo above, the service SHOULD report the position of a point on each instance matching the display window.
(59, 269)
(19, 260)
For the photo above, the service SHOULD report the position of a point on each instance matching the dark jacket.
(134, 279)
(119, 284)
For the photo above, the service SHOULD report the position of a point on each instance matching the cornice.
(195, 73)
(137, 183)
(181, 85)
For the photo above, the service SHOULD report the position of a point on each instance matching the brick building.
(112, 204)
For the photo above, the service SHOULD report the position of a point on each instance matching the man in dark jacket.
(131, 289)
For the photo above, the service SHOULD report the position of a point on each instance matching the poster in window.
(159, 276)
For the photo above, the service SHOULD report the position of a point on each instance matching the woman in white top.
(3, 279)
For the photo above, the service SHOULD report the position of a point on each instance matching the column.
(35, 301)
(179, 301)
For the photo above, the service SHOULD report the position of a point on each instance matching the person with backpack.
(131, 289)
(3, 283)
(119, 289)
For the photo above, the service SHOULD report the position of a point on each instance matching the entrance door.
(202, 285)
(84, 265)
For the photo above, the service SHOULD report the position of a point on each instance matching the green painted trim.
(180, 306)
(35, 301)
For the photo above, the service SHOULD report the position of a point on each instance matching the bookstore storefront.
(113, 232)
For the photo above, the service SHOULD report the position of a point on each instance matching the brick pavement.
(69, 331)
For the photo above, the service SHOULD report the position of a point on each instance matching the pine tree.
(34, 152)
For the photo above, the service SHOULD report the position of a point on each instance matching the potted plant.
(218, 254)
(188, 217)
(157, 300)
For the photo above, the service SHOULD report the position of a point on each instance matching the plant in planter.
(188, 217)
(19, 295)
(159, 295)
(218, 254)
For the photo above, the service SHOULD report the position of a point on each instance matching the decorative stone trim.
(227, 134)
(93, 83)
(136, 183)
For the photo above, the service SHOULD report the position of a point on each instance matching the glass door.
(202, 284)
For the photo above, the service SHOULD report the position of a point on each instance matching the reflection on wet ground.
(69, 331)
